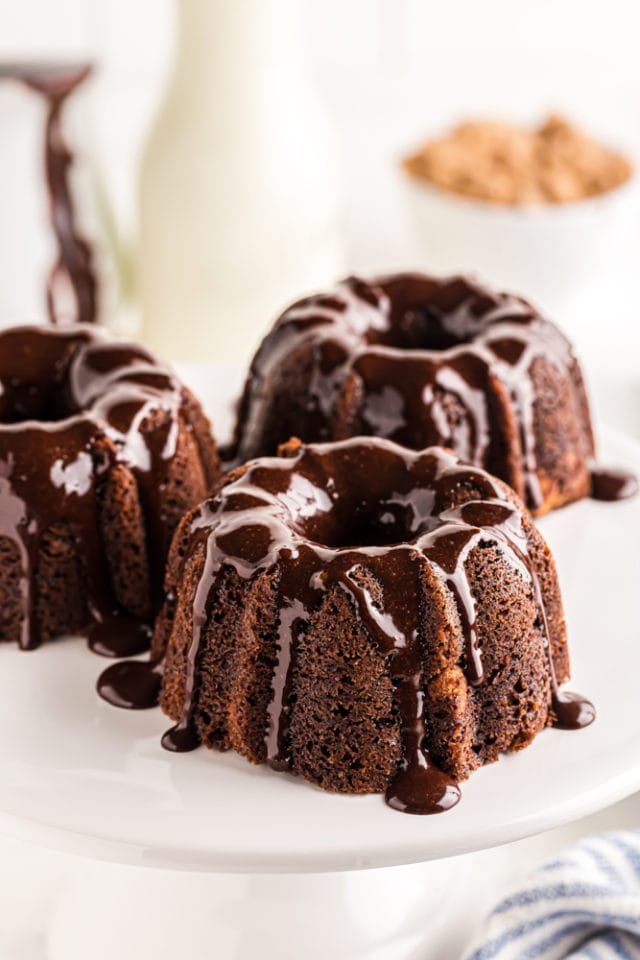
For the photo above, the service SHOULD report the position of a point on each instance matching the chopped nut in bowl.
(493, 161)
(538, 208)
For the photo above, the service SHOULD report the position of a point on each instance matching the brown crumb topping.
(489, 160)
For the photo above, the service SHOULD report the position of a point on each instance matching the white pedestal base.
(137, 914)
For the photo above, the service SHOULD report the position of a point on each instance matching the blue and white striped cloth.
(584, 905)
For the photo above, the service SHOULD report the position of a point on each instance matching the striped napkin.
(584, 905)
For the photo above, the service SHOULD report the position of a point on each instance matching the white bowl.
(544, 252)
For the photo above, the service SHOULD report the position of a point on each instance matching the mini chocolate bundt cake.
(372, 618)
(102, 451)
(423, 361)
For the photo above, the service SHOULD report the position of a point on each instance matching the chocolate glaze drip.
(119, 636)
(418, 360)
(333, 516)
(131, 684)
(180, 739)
(570, 710)
(422, 789)
(74, 265)
(613, 484)
(73, 404)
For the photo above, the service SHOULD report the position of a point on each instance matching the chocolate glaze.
(613, 484)
(132, 684)
(180, 739)
(571, 711)
(74, 264)
(73, 404)
(119, 636)
(333, 516)
(419, 360)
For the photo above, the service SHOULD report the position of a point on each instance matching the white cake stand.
(251, 863)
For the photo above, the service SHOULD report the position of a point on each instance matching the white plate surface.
(83, 776)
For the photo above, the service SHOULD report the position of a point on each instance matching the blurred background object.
(540, 209)
(38, 169)
(502, 163)
(239, 193)
(96, 144)
(53, 243)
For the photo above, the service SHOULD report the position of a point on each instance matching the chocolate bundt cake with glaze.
(372, 618)
(423, 361)
(102, 451)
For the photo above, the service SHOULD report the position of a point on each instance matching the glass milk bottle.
(239, 188)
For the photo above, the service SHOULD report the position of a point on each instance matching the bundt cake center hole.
(422, 328)
(24, 401)
(379, 525)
